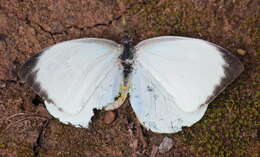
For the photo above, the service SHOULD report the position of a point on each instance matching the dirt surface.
(229, 127)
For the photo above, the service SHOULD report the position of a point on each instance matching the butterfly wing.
(74, 77)
(155, 108)
(175, 78)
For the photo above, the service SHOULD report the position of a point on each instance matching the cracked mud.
(229, 128)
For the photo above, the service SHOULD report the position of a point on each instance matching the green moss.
(229, 126)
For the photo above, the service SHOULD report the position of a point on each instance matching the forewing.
(189, 73)
(74, 77)
(193, 71)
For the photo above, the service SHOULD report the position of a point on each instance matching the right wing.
(74, 77)
(175, 78)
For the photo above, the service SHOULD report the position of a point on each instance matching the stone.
(109, 117)
(166, 145)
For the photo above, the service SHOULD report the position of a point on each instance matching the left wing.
(74, 77)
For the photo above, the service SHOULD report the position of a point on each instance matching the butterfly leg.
(123, 92)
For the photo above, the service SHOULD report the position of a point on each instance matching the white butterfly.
(170, 79)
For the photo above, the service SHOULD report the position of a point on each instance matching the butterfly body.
(126, 61)
(127, 57)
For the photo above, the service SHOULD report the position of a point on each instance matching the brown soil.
(229, 128)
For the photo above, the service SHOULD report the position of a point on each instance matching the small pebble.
(166, 145)
(109, 117)
(241, 52)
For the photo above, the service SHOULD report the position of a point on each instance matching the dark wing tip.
(232, 69)
(26, 70)
(28, 74)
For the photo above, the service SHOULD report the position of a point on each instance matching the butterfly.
(170, 80)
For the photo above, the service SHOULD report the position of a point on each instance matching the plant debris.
(241, 52)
